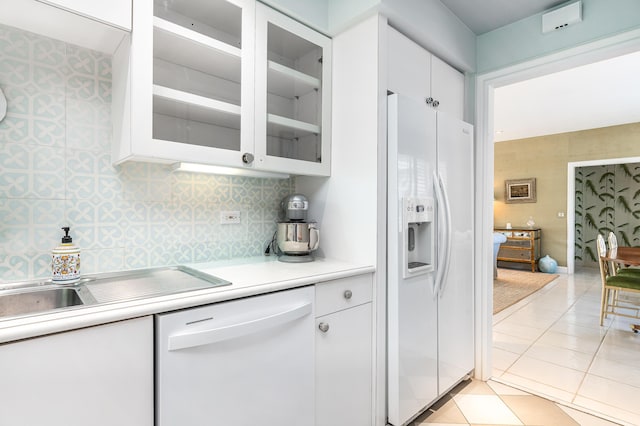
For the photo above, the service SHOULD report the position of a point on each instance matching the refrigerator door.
(412, 303)
(455, 306)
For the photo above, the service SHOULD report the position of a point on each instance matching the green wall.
(523, 40)
(607, 200)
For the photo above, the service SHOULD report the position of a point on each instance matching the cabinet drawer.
(508, 253)
(517, 243)
(341, 294)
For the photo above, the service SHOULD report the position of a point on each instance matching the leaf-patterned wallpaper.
(607, 200)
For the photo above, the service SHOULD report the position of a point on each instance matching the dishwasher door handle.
(228, 332)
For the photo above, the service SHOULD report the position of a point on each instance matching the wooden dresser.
(522, 246)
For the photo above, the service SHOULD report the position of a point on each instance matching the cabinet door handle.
(348, 294)
(435, 103)
(429, 100)
(324, 327)
(247, 158)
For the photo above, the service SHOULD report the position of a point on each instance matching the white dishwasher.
(244, 362)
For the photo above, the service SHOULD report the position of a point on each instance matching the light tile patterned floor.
(551, 344)
(492, 403)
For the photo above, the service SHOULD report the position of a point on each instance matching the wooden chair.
(613, 285)
(616, 268)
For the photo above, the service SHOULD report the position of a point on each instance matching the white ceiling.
(486, 15)
(601, 94)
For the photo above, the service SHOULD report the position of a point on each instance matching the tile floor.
(551, 344)
(492, 403)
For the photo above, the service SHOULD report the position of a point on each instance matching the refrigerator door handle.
(444, 269)
(441, 226)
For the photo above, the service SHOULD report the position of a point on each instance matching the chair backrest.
(601, 249)
(601, 246)
(613, 241)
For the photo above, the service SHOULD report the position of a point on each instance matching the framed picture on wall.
(520, 190)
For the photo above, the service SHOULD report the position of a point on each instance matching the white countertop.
(249, 277)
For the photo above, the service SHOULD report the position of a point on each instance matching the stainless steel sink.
(38, 300)
(37, 297)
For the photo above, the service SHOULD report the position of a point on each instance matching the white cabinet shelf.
(289, 128)
(191, 49)
(288, 82)
(177, 97)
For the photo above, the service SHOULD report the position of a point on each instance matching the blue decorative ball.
(548, 264)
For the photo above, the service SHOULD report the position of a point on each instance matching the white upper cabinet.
(412, 81)
(293, 96)
(428, 78)
(112, 12)
(220, 82)
(96, 25)
(447, 88)
(183, 87)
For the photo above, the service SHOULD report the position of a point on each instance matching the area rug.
(512, 286)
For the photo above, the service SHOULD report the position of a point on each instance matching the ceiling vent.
(562, 17)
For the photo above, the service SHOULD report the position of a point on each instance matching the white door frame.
(485, 84)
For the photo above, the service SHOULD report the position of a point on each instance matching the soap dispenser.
(65, 261)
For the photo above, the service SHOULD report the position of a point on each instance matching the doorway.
(485, 86)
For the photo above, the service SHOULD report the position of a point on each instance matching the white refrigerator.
(430, 325)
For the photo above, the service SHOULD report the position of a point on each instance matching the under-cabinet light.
(219, 170)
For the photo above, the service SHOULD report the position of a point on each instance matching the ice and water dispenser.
(417, 226)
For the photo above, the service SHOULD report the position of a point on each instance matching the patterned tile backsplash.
(55, 171)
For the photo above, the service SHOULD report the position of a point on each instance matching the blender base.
(295, 258)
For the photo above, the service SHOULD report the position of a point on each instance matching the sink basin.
(37, 297)
(33, 301)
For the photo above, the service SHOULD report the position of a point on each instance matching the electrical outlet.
(229, 217)
(560, 214)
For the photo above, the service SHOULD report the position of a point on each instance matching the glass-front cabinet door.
(192, 81)
(293, 89)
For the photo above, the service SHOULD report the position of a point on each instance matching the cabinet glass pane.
(294, 96)
(197, 72)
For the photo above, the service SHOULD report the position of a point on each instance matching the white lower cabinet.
(95, 376)
(344, 352)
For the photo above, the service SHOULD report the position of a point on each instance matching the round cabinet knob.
(247, 158)
(436, 103)
(324, 327)
(429, 101)
(348, 294)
